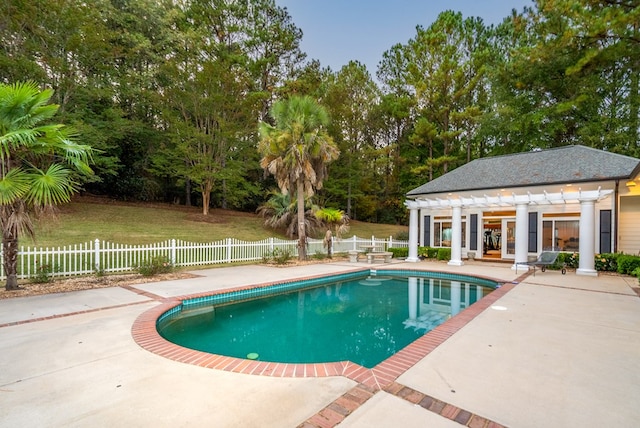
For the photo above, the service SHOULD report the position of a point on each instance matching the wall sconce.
(631, 183)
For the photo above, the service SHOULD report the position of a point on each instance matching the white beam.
(512, 200)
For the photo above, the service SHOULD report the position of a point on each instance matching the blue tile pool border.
(255, 292)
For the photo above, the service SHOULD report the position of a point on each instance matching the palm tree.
(296, 150)
(280, 213)
(333, 219)
(37, 165)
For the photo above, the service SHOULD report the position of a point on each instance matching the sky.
(338, 31)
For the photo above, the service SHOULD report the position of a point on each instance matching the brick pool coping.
(145, 334)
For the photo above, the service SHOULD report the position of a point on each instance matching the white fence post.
(96, 255)
(229, 250)
(173, 252)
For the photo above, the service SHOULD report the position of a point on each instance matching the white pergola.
(521, 202)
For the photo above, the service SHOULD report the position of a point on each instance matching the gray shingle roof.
(568, 164)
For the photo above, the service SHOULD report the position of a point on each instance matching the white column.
(587, 243)
(456, 236)
(413, 232)
(413, 298)
(455, 297)
(522, 235)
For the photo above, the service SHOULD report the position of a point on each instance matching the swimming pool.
(362, 317)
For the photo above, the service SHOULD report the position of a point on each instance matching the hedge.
(627, 264)
(399, 253)
(423, 252)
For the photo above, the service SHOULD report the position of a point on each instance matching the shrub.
(400, 252)
(99, 272)
(431, 252)
(43, 273)
(627, 263)
(572, 260)
(636, 273)
(279, 256)
(606, 262)
(155, 265)
(444, 254)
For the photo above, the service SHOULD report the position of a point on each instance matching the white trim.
(587, 200)
(509, 200)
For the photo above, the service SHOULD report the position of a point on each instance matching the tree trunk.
(328, 241)
(10, 259)
(187, 192)
(205, 202)
(206, 197)
(302, 235)
(351, 154)
(224, 204)
(349, 196)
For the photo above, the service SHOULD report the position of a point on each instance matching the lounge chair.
(546, 258)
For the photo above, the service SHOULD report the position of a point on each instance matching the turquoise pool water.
(363, 318)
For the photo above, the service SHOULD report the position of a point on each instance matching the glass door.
(508, 238)
(492, 238)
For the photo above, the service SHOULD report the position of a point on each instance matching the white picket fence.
(108, 257)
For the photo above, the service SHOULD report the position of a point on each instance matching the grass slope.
(90, 218)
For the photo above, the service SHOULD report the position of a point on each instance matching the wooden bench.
(385, 256)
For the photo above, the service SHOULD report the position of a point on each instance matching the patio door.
(509, 238)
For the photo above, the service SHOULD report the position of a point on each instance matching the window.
(441, 292)
(560, 235)
(442, 233)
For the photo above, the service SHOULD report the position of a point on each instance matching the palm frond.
(23, 105)
(15, 218)
(51, 187)
(13, 186)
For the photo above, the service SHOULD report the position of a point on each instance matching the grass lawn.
(87, 219)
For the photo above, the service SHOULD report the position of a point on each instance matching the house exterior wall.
(629, 225)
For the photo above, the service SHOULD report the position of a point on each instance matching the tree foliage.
(171, 93)
(443, 70)
(349, 97)
(39, 164)
(572, 77)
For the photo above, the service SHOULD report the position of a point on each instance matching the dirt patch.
(311, 261)
(63, 285)
(87, 283)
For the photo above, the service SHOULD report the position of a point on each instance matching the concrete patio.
(554, 351)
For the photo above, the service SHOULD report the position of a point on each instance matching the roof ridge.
(572, 163)
(534, 150)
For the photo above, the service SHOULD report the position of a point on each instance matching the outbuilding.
(512, 207)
